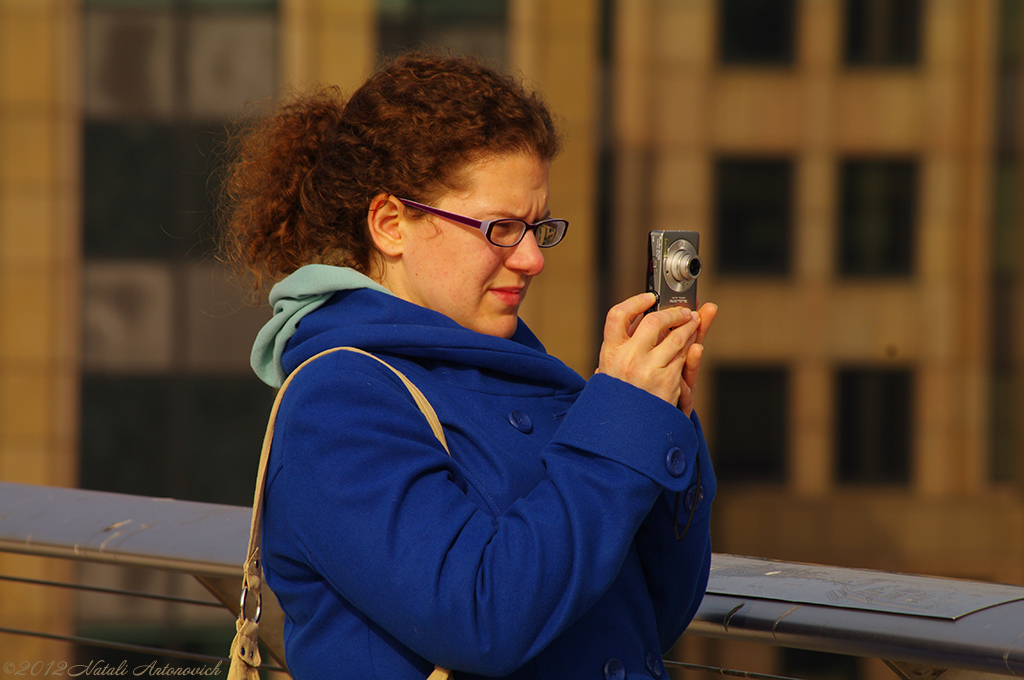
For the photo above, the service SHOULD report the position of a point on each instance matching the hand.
(651, 352)
(691, 367)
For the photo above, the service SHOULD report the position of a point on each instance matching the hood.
(340, 307)
(292, 298)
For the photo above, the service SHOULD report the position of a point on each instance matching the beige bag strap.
(245, 654)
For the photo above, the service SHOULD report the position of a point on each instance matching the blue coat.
(542, 548)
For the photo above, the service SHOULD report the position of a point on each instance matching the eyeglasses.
(505, 232)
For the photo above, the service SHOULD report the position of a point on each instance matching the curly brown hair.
(300, 185)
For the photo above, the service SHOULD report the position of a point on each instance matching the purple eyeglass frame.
(486, 226)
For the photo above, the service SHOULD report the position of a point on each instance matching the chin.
(499, 328)
(511, 331)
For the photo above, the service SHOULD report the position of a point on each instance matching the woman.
(409, 222)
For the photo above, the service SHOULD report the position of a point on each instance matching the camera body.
(673, 266)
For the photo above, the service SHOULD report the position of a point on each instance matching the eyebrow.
(510, 216)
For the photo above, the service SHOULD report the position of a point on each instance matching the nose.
(526, 256)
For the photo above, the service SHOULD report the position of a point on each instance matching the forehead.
(503, 177)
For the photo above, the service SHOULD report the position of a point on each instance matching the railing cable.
(113, 591)
(727, 671)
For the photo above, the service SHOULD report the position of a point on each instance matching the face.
(452, 268)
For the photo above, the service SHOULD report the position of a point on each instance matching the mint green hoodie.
(292, 298)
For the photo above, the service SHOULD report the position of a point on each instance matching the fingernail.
(694, 316)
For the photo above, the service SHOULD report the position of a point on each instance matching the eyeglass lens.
(510, 232)
(547, 234)
(507, 232)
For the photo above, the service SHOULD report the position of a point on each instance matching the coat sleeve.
(677, 570)
(370, 500)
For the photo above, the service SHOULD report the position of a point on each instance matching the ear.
(384, 220)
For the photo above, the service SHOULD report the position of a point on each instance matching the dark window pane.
(874, 420)
(750, 424)
(809, 665)
(1007, 403)
(147, 189)
(878, 216)
(198, 4)
(486, 11)
(127, 434)
(883, 32)
(200, 165)
(753, 216)
(756, 31)
(128, 208)
(476, 27)
(234, 4)
(195, 438)
(226, 418)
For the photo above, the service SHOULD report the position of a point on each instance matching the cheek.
(471, 267)
(459, 270)
(455, 280)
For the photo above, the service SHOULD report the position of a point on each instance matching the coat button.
(521, 421)
(675, 462)
(654, 664)
(693, 494)
(614, 670)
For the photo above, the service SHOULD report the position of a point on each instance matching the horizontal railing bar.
(937, 622)
(110, 528)
(113, 591)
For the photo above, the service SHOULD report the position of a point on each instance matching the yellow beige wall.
(39, 262)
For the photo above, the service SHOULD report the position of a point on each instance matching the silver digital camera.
(673, 266)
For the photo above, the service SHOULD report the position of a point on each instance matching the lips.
(510, 296)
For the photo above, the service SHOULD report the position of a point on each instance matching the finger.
(672, 348)
(655, 327)
(634, 323)
(623, 318)
(685, 402)
(691, 369)
(708, 312)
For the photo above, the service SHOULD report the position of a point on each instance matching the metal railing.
(921, 626)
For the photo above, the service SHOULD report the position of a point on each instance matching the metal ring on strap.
(259, 606)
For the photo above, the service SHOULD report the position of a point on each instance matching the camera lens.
(683, 266)
(694, 266)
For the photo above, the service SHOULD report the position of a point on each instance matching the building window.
(751, 431)
(877, 217)
(756, 32)
(883, 32)
(190, 437)
(753, 216)
(475, 27)
(1007, 439)
(874, 425)
(147, 188)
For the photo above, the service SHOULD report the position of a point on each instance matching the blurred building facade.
(853, 167)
